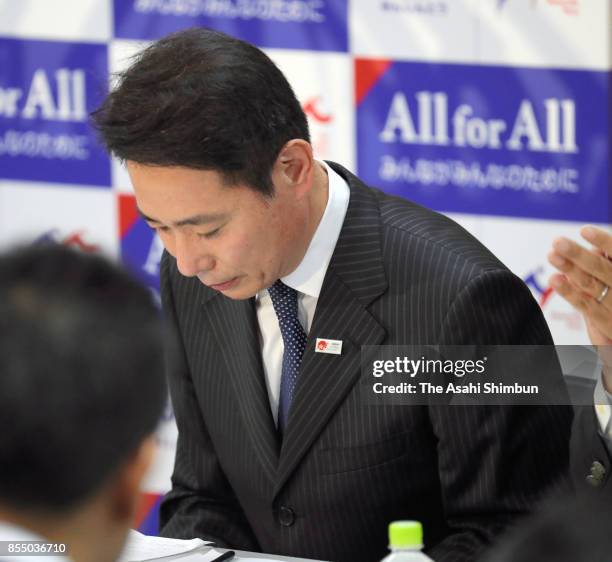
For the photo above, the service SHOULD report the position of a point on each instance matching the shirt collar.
(308, 277)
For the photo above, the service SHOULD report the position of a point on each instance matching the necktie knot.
(284, 301)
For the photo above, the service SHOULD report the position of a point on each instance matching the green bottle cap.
(406, 534)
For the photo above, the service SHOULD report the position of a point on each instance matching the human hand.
(585, 282)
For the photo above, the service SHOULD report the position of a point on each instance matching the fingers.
(586, 269)
(586, 280)
(598, 237)
(597, 314)
(578, 277)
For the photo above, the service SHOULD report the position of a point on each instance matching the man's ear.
(294, 167)
(124, 490)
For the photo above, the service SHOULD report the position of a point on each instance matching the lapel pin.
(323, 345)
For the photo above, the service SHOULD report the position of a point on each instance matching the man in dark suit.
(269, 252)
(584, 281)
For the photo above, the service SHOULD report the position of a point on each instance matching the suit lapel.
(234, 324)
(355, 278)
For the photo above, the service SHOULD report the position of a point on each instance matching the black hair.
(565, 529)
(201, 99)
(81, 374)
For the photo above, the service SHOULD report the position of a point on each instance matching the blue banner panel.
(47, 90)
(318, 25)
(519, 142)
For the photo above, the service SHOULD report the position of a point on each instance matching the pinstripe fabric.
(400, 274)
(587, 447)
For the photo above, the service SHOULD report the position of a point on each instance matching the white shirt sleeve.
(603, 410)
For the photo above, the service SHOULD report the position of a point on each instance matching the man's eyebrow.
(195, 220)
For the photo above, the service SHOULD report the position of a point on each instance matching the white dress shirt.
(603, 409)
(307, 280)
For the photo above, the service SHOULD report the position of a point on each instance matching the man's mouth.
(225, 285)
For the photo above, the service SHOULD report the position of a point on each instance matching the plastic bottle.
(406, 542)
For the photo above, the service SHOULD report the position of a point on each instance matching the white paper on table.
(139, 547)
(201, 553)
(243, 559)
(262, 558)
(209, 556)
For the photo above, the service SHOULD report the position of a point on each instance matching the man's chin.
(237, 297)
(235, 289)
(239, 293)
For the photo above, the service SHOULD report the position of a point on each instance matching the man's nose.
(191, 258)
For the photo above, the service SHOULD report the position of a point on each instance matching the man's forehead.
(146, 174)
(180, 196)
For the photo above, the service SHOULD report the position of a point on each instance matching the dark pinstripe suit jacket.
(588, 448)
(399, 274)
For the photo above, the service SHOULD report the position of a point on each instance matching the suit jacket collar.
(359, 247)
(354, 279)
(234, 326)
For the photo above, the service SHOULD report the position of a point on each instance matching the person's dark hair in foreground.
(572, 529)
(81, 391)
(203, 100)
